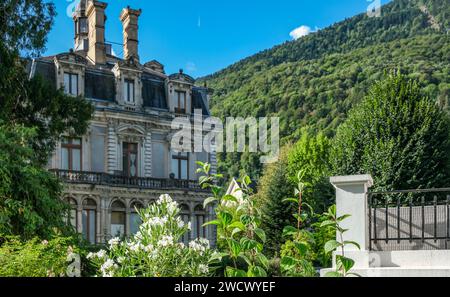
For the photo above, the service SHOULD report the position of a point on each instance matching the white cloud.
(191, 67)
(300, 32)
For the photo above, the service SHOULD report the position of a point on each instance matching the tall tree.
(33, 115)
(29, 195)
(312, 155)
(34, 102)
(276, 214)
(398, 136)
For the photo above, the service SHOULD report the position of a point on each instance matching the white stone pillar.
(98, 216)
(80, 218)
(148, 155)
(112, 150)
(351, 199)
(127, 223)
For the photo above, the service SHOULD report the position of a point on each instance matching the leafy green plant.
(296, 254)
(240, 238)
(156, 250)
(343, 264)
(30, 203)
(321, 236)
(36, 257)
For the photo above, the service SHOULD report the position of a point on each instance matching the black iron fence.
(99, 178)
(409, 220)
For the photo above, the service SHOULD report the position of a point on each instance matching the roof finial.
(181, 70)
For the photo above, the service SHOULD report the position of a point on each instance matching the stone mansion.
(125, 161)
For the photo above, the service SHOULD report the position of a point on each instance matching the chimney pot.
(96, 19)
(129, 18)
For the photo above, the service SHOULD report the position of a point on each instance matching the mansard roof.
(100, 80)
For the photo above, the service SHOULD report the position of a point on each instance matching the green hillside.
(315, 80)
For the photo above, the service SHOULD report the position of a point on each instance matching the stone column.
(127, 222)
(351, 199)
(98, 222)
(148, 155)
(194, 231)
(112, 150)
(104, 219)
(80, 218)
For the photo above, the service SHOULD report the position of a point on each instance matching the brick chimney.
(129, 18)
(96, 18)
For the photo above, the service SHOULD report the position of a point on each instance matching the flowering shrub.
(156, 250)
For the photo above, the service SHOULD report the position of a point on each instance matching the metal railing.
(100, 178)
(409, 220)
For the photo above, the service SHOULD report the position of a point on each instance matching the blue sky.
(204, 36)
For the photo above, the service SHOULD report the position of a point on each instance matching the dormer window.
(128, 91)
(71, 83)
(180, 102)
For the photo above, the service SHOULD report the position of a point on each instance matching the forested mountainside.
(315, 80)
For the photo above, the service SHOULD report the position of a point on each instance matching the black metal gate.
(409, 220)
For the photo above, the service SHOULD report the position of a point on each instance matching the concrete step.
(419, 271)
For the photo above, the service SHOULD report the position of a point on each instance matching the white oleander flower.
(135, 247)
(204, 269)
(189, 226)
(114, 241)
(100, 254)
(180, 223)
(108, 268)
(148, 248)
(165, 240)
(199, 245)
(165, 198)
(172, 207)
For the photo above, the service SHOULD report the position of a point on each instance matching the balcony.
(105, 179)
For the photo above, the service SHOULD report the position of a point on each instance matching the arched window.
(89, 220)
(200, 215)
(118, 217)
(184, 214)
(135, 220)
(72, 218)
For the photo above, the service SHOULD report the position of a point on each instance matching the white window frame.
(129, 93)
(69, 87)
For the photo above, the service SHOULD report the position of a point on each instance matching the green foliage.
(315, 80)
(36, 257)
(24, 24)
(321, 235)
(297, 255)
(398, 136)
(276, 213)
(33, 115)
(30, 203)
(296, 258)
(239, 235)
(343, 264)
(311, 155)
